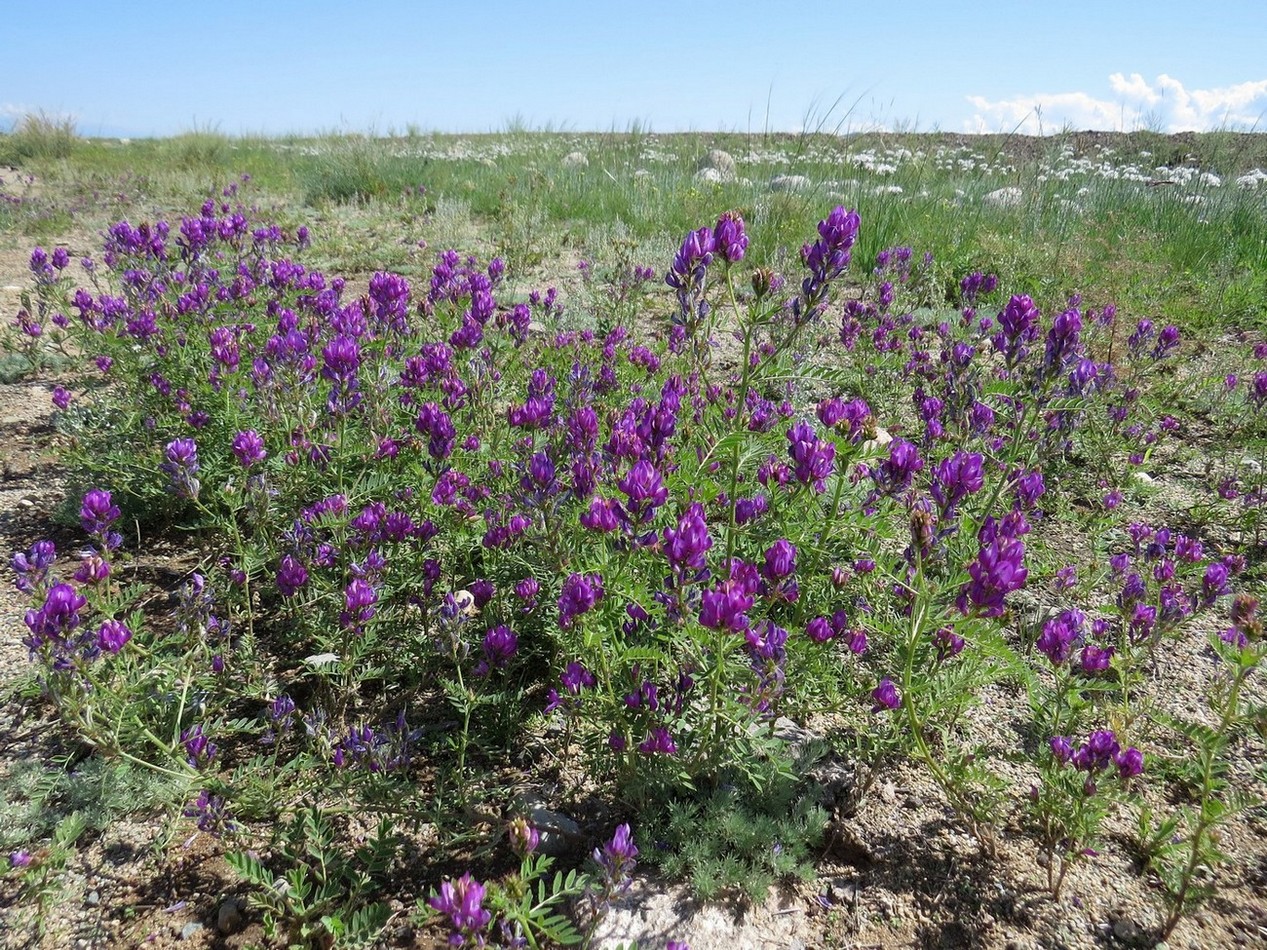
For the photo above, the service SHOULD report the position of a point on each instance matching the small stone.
(1143, 478)
(842, 891)
(559, 833)
(190, 929)
(229, 917)
(888, 793)
(575, 160)
(93, 898)
(789, 183)
(711, 176)
(1126, 930)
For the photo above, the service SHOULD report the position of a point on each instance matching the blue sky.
(275, 66)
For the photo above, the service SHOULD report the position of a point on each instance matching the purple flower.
(780, 560)
(32, 567)
(58, 616)
(616, 857)
(894, 474)
(97, 512)
(601, 515)
(500, 644)
(1061, 748)
(947, 643)
(1018, 324)
(93, 569)
(686, 545)
(644, 488)
(1095, 659)
(526, 590)
(886, 696)
(211, 814)
(341, 358)
(1060, 634)
(437, 426)
(689, 271)
(819, 630)
(20, 859)
(461, 901)
(956, 478)
(1029, 488)
(725, 606)
(812, 457)
(1062, 343)
(1167, 341)
(1129, 761)
(61, 398)
(997, 571)
(113, 635)
(1214, 583)
(729, 237)
(658, 742)
(291, 576)
(826, 259)
(359, 598)
(1097, 753)
(580, 594)
(198, 748)
(248, 448)
(576, 678)
(180, 467)
(524, 838)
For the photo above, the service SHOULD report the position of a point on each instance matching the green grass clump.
(39, 136)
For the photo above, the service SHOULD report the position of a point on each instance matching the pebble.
(559, 833)
(1126, 930)
(229, 917)
(93, 899)
(789, 183)
(190, 929)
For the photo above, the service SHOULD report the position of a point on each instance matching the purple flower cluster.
(826, 259)
(180, 465)
(1100, 752)
(998, 570)
(462, 902)
(812, 458)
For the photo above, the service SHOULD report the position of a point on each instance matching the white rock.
(712, 176)
(789, 183)
(720, 163)
(1143, 478)
(1008, 197)
(882, 438)
(575, 160)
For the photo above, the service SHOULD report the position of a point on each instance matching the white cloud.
(1164, 104)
